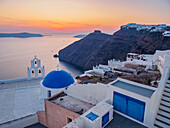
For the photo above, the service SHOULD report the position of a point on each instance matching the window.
(32, 71)
(105, 119)
(69, 120)
(49, 93)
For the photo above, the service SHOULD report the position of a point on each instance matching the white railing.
(160, 89)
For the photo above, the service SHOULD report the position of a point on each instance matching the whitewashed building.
(20, 97)
(146, 105)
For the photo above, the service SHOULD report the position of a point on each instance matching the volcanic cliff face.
(90, 51)
(80, 51)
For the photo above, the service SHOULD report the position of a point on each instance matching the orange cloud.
(54, 25)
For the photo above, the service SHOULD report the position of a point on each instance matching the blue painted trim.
(105, 119)
(129, 105)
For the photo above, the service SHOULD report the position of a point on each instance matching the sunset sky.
(79, 15)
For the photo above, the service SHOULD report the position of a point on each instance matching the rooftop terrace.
(71, 103)
(136, 89)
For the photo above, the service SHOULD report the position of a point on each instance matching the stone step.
(165, 103)
(166, 98)
(166, 86)
(166, 114)
(163, 119)
(166, 94)
(162, 107)
(167, 89)
(168, 81)
(161, 124)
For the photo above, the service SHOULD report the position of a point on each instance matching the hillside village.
(135, 91)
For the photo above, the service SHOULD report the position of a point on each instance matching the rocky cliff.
(80, 51)
(98, 48)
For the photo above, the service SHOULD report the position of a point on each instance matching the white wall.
(92, 93)
(115, 64)
(17, 103)
(12, 80)
(149, 112)
(45, 91)
(162, 59)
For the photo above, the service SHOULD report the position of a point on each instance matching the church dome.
(58, 79)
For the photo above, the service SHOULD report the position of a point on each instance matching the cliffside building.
(61, 102)
(140, 105)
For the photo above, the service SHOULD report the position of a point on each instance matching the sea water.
(16, 54)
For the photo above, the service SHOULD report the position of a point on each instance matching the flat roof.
(71, 103)
(133, 88)
(19, 83)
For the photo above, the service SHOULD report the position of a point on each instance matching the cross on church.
(58, 67)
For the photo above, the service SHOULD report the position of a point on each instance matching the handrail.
(160, 90)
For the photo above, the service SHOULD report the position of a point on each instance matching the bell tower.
(35, 71)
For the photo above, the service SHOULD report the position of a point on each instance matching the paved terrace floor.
(20, 84)
(123, 122)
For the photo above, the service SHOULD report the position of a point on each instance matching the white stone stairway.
(163, 116)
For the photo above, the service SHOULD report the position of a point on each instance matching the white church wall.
(18, 103)
(92, 93)
(45, 92)
(12, 80)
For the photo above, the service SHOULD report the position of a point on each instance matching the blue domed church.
(55, 81)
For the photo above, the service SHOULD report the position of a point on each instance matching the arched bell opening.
(32, 72)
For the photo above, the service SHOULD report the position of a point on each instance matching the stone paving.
(120, 121)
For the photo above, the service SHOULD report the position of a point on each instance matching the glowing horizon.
(76, 15)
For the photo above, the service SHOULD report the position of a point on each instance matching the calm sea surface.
(16, 54)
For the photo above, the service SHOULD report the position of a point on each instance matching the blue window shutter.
(105, 119)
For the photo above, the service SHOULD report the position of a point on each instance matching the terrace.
(71, 103)
(133, 72)
(18, 83)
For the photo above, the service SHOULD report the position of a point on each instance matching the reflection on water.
(16, 53)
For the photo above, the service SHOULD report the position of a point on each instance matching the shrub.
(77, 77)
(149, 81)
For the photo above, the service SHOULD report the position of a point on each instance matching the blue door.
(129, 106)
(105, 119)
(135, 109)
(119, 102)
